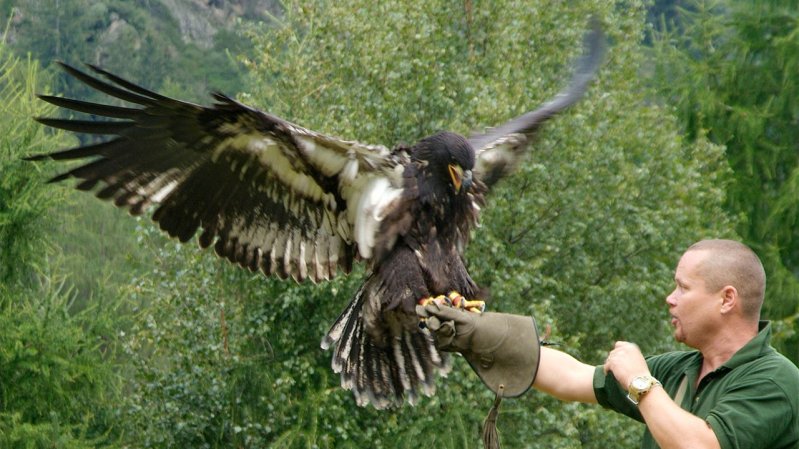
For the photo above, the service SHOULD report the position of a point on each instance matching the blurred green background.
(112, 336)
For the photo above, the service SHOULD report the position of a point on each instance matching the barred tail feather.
(383, 376)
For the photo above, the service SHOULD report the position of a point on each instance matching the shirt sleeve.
(612, 396)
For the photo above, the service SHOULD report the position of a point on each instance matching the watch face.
(639, 383)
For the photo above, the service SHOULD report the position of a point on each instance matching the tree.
(24, 202)
(586, 236)
(56, 388)
(730, 74)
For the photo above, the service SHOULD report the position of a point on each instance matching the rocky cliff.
(199, 20)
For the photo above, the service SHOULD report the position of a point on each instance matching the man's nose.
(671, 299)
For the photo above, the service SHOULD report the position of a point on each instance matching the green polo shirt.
(751, 401)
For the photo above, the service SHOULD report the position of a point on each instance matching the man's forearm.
(565, 377)
(671, 426)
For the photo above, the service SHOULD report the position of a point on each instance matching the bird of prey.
(270, 195)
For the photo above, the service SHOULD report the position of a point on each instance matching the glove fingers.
(422, 312)
(443, 332)
(441, 319)
(438, 326)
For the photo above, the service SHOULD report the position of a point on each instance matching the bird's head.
(448, 156)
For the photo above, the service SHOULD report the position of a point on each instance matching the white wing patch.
(504, 152)
(339, 157)
(376, 196)
(270, 153)
(162, 192)
(272, 156)
(350, 171)
(328, 162)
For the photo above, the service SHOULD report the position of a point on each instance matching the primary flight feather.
(273, 196)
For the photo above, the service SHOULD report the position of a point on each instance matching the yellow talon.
(455, 299)
(475, 306)
(458, 300)
(440, 299)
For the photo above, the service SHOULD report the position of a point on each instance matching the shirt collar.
(753, 349)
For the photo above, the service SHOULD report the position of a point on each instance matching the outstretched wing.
(499, 149)
(268, 194)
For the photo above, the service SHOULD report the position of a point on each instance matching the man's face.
(693, 309)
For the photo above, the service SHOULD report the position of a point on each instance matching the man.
(734, 391)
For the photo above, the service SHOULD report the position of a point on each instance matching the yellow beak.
(456, 173)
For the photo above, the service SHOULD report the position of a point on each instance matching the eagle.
(272, 196)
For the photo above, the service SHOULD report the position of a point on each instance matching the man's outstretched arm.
(565, 377)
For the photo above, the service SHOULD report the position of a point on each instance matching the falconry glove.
(503, 349)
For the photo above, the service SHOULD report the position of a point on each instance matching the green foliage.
(56, 390)
(586, 236)
(730, 72)
(29, 230)
(23, 199)
(97, 248)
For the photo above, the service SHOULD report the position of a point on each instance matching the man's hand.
(626, 362)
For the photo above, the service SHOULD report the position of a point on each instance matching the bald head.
(728, 262)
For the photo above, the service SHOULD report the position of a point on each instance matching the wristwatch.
(639, 386)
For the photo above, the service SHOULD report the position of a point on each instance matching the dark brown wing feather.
(499, 149)
(268, 195)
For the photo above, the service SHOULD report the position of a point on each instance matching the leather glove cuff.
(505, 351)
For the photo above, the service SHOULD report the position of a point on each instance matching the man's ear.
(729, 298)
